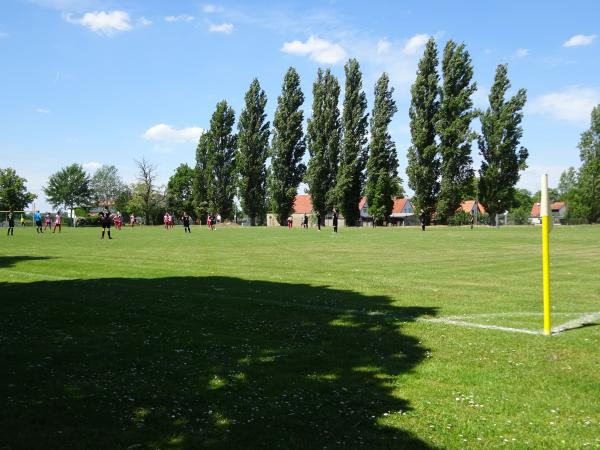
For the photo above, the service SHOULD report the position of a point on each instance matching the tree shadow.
(9, 261)
(211, 362)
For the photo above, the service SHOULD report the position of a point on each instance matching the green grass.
(294, 339)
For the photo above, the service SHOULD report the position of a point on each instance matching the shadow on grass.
(9, 261)
(210, 362)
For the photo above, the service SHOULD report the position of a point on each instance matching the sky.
(108, 82)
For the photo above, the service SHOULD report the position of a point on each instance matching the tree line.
(351, 152)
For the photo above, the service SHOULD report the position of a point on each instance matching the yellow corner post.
(546, 226)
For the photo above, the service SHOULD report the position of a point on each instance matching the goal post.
(17, 216)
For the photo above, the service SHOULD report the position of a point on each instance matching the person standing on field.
(11, 223)
(335, 220)
(47, 221)
(318, 221)
(57, 222)
(105, 221)
(471, 219)
(132, 220)
(422, 219)
(37, 217)
(186, 223)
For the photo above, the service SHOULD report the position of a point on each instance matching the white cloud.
(317, 49)
(415, 44)
(143, 22)
(63, 5)
(166, 133)
(521, 53)
(383, 46)
(42, 110)
(91, 165)
(579, 40)
(102, 22)
(180, 18)
(209, 9)
(573, 104)
(225, 28)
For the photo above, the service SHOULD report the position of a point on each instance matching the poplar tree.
(287, 147)
(220, 159)
(200, 194)
(382, 167)
(498, 143)
(252, 153)
(453, 127)
(353, 151)
(323, 141)
(588, 186)
(423, 168)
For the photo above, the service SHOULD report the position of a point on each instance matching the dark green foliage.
(200, 196)
(220, 161)
(423, 161)
(252, 153)
(13, 192)
(453, 127)
(520, 211)
(106, 185)
(69, 187)
(587, 199)
(287, 148)
(567, 183)
(179, 198)
(353, 151)
(382, 167)
(501, 134)
(323, 140)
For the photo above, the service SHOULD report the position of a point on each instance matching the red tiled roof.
(556, 206)
(362, 202)
(399, 204)
(467, 206)
(302, 204)
(535, 209)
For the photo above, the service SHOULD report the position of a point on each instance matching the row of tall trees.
(440, 167)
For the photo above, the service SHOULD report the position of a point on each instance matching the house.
(403, 212)
(558, 212)
(302, 205)
(472, 207)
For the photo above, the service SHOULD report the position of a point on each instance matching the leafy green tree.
(106, 185)
(353, 151)
(13, 192)
(220, 159)
(144, 192)
(201, 173)
(179, 196)
(588, 186)
(501, 134)
(423, 159)
(453, 127)
(382, 167)
(69, 187)
(287, 147)
(521, 207)
(567, 183)
(252, 153)
(323, 141)
(150, 204)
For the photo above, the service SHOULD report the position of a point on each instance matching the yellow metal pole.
(546, 225)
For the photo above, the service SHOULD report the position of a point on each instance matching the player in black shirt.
(186, 223)
(105, 222)
(11, 223)
(335, 220)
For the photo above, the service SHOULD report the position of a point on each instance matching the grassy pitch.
(296, 339)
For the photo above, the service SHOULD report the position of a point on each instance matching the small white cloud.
(383, 46)
(225, 28)
(488, 51)
(317, 49)
(102, 22)
(91, 165)
(143, 22)
(579, 40)
(42, 110)
(166, 133)
(415, 44)
(180, 18)
(521, 53)
(209, 9)
(573, 104)
(3, 35)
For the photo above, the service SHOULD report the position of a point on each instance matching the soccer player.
(318, 220)
(105, 221)
(47, 221)
(422, 219)
(57, 222)
(22, 220)
(132, 220)
(305, 221)
(186, 223)
(37, 217)
(335, 220)
(11, 223)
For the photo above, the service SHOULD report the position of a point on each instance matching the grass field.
(294, 339)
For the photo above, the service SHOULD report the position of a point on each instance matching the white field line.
(461, 323)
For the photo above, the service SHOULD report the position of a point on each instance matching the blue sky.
(106, 82)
